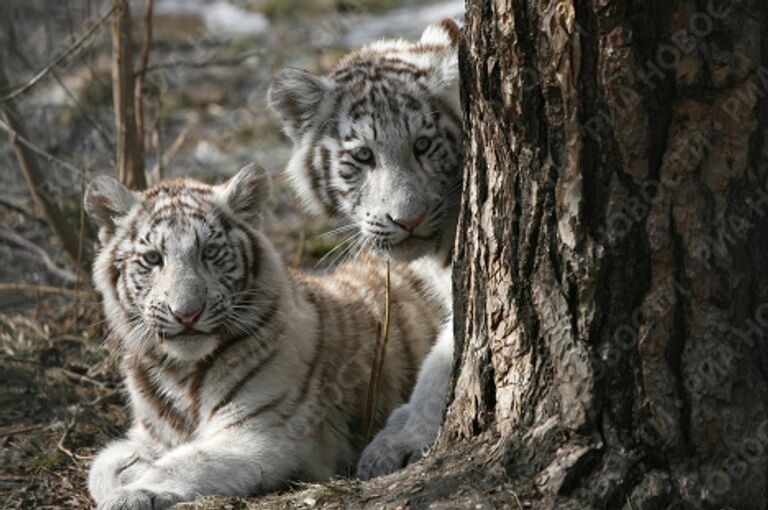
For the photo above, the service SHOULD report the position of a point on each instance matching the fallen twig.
(22, 429)
(71, 374)
(104, 396)
(60, 445)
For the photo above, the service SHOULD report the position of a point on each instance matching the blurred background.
(203, 68)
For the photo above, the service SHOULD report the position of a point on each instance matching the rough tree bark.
(612, 259)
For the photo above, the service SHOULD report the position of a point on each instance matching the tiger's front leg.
(229, 463)
(413, 427)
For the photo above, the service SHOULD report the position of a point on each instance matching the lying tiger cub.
(242, 375)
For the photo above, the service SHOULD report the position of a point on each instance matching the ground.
(63, 401)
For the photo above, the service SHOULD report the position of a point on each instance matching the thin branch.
(70, 51)
(208, 62)
(141, 73)
(175, 147)
(130, 156)
(63, 273)
(36, 180)
(105, 137)
(47, 289)
(17, 208)
(17, 138)
(157, 142)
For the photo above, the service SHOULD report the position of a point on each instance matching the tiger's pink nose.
(409, 225)
(188, 318)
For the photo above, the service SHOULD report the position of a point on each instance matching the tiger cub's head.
(378, 140)
(180, 268)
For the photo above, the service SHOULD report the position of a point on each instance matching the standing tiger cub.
(241, 374)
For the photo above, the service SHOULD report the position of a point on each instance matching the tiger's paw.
(138, 500)
(386, 454)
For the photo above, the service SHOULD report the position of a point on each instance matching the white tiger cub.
(378, 141)
(241, 374)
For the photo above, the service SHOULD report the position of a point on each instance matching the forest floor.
(60, 391)
(62, 401)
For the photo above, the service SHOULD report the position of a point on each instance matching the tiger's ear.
(246, 192)
(297, 96)
(106, 201)
(445, 32)
(444, 36)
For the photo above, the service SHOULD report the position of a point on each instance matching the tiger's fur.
(388, 97)
(241, 375)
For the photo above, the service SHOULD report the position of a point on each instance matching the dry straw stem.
(378, 363)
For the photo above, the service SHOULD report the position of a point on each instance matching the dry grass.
(61, 401)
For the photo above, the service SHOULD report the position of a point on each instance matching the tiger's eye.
(153, 258)
(363, 154)
(421, 144)
(210, 251)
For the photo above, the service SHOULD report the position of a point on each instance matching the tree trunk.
(130, 146)
(612, 260)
